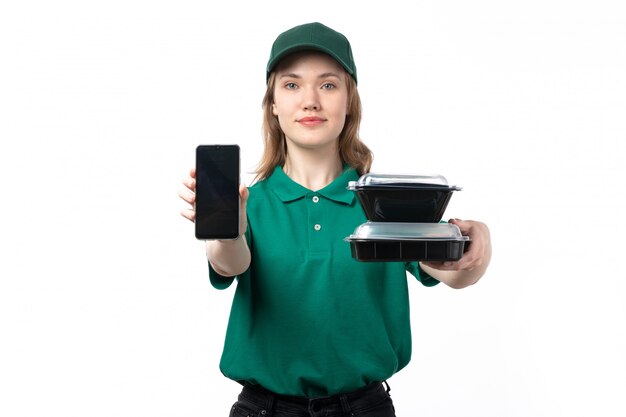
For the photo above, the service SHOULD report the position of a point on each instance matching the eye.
(291, 86)
(328, 86)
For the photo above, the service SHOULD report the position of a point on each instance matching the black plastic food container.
(392, 241)
(403, 198)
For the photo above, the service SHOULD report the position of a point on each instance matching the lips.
(311, 121)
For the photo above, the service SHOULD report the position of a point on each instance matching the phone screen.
(217, 192)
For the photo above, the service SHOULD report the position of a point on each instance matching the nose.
(311, 100)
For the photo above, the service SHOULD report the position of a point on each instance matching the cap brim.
(305, 47)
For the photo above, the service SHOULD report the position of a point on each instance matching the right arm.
(227, 257)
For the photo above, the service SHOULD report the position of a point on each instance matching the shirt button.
(317, 227)
(316, 199)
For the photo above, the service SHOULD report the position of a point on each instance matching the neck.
(313, 170)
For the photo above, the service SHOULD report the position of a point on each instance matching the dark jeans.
(371, 401)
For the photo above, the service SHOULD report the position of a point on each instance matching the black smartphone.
(217, 192)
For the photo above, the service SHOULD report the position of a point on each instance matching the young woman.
(312, 331)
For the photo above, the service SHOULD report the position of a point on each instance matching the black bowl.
(404, 203)
(367, 250)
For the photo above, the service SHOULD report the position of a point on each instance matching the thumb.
(243, 194)
(243, 197)
(463, 226)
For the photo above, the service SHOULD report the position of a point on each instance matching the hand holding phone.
(217, 192)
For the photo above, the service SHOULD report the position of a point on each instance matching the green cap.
(312, 37)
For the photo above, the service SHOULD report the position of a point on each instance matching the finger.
(473, 257)
(442, 266)
(189, 214)
(192, 172)
(187, 195)
(190, 183)
(468, 261)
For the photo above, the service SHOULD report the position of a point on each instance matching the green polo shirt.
(307, 319)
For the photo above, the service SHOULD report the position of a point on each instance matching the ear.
(274, 111)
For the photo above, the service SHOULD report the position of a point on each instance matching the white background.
(105, 304)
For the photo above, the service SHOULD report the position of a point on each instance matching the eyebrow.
(323, 75)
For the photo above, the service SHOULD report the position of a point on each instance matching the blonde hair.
(352, 150)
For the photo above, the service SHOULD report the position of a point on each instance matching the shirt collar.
(288, 190)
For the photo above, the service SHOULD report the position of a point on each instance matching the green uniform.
(307, 319)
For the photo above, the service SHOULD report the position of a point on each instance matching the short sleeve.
(421, 275)
(218, 281)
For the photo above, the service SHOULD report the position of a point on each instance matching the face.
(310, 100)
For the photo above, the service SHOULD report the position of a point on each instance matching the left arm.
(472, 266)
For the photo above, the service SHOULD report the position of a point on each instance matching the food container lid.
(401, 181)
(407, 231)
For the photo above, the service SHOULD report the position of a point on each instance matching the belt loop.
(345, 405)
(269, 405)
(388, 387)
